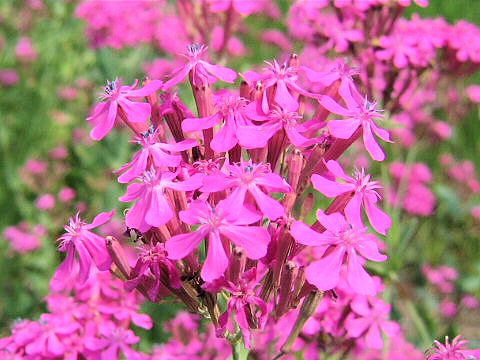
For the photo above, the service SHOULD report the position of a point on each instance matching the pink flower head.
(359, 113)
(78, 238)
(45, 202)
(339, 240)
(36, 166)
(24, 50)
(255, 137)
(152, 260)
(230, 114)
(153, 152)
(364, 192)
(118, 97)
(114, 341)
(203, 73)
(255, 179)
(284, 78)
(215, 223)
(8, 77)
(456, 350)
(242, 302)
(23, 238)
(369, 318)
(243, 7)
(66, 194)
(153, 205)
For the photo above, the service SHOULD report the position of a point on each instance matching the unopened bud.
(118, 255)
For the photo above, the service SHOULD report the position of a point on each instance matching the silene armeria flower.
(358, 113)
(363, 192)
(340, 242)
(153, 205)
(88, 245)
(153, 152)
(216, 223)
(455, 350)
(230, 114)
(203, 73)
(118, 96)
(248, 178)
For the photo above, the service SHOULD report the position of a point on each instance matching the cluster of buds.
(220, 201)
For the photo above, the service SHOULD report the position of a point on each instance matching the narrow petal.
(371, 144)
(85, 263)
(253, 239)
(159, 211)
(273, 181)
(133, 191)
(137, 112)
(95, 245)
(305, 235)
(216, 261)
(162, 159)
(178, 146)
(179, 75)
(325, 273)
(357, 326)
(136, 215)
(284, 98)
(221, 72)
(196, 124)
(105, 125)
(343, 129)
(271, 208)
(358, 279)
(374, 338)
(335, 168)
(329, 188)
(100, 219)
(353, 211)
(148, 89)
(380, 221)
(255, 137)
(181, 245)
(137, 167)
(214, 183)
(331, 105)
(367, 247)
(334, 222)
(225, 139)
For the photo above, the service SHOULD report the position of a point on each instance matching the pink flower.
(8, 77)
(118, 98)
(223, 220)
(243, 7)
(24, 50)
(285, 78)
(45, 202)
(230, 114)
(246, 177)
(276, 37)
(242, 303)
(364, 192)
(78, 238)
(456, 350)
(114, 341)
(339, 240)
(369, 318)
(203, 73)
(473, 93)
(23, 238)
(153, 206)
(254, 137)
(36, 166)
(358, 114)
(448, 308)
(66, 194)
(153, 152)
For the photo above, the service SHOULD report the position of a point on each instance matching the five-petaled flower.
(117, 97)
(219, 223)
(340, 240)
(363, 192)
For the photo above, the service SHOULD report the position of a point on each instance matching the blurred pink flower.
(66, 194)
(45, 202)
(24, 50)
(8, 77)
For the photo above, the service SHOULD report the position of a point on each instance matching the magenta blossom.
(78, 238)
(255, 137)
(339, 240)
(153, 206)
(246, 177)
(284, 78)
(363, 191)
(216, 223)
(369, 318)
(456, 350)
(359, 113)
(202, 72)
(230, 115)
(243, 303)
(119, 97)
(153, 152)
